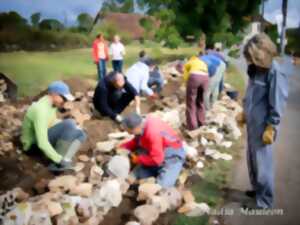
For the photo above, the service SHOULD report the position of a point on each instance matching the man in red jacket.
(100, 55)
(156, 149)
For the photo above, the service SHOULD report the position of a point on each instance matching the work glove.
(153, 97)
(241, 119)
(134, 158)
(119, 118)
(269, 135)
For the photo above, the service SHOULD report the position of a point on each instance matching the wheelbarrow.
(9, 89)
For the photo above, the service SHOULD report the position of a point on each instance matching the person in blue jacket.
(216, 69)
(264, 102)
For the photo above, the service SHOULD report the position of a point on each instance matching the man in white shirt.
(138, 76)
(117, 51)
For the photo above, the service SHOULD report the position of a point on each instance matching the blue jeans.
(101, 68)
(155, 79)
(65, 130)
(117, 65)
(166, 174)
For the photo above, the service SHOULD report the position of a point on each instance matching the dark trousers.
(117, 65)
(195, 110)
(101, 68)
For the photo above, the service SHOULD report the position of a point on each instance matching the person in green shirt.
(58, 140)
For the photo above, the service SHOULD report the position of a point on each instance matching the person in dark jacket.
(113, 95)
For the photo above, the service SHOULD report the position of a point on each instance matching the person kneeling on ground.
(113, 95)
(138, 76)
(58, 140)
(156, 81)
(156, 149)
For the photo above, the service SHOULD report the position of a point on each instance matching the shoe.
(250, 204)
(250, 193)
(53, 167)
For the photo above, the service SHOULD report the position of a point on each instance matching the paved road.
(287, 161)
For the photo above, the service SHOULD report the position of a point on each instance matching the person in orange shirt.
(100, 55)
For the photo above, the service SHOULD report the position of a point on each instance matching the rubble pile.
(3, 89)
(101, 177)
(10, 127)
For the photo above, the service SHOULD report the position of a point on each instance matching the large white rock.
(193, 209)
(54, 208)
(19, 215)
(64, 183)
(40, 218)
(147, 190)
(82, 189)
(160, 202)
(109, 195)
(146, 214)
(173, 196)
(191, 152)
(132, 223)
(119, 135)
(119, 166)
(106, 146)
(95, 174)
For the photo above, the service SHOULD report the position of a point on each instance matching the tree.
(51, 24)
(209, 16)
(124, 6)
(35, 19)
(85, 22)
(148, 25)
(12, 20)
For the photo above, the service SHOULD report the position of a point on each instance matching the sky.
(67, 10)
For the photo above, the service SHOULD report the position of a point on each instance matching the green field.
(32, 71)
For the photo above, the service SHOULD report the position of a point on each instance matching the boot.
(67, 150)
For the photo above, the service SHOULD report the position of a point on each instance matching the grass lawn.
(32, 71)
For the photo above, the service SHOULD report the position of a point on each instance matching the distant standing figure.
(117, 51)
(100, 55)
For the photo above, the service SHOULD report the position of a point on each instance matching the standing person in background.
(218, 53)
(100, 55)
(216, 69)
(264, 103)
(117, 51)
(195, 75)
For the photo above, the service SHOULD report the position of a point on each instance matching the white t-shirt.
(138, 76)
(117, 50)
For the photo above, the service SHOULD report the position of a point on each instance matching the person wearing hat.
(58, 140)
(156, 149)
(138, 76)
(113, 95)
(264, 103)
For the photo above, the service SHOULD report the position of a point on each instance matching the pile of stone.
(3, 89)
(102, 178)
(10, 127)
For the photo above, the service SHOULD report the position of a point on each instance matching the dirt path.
(287, 161)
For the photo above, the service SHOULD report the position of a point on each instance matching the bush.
(227, 38)
(170, 37)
